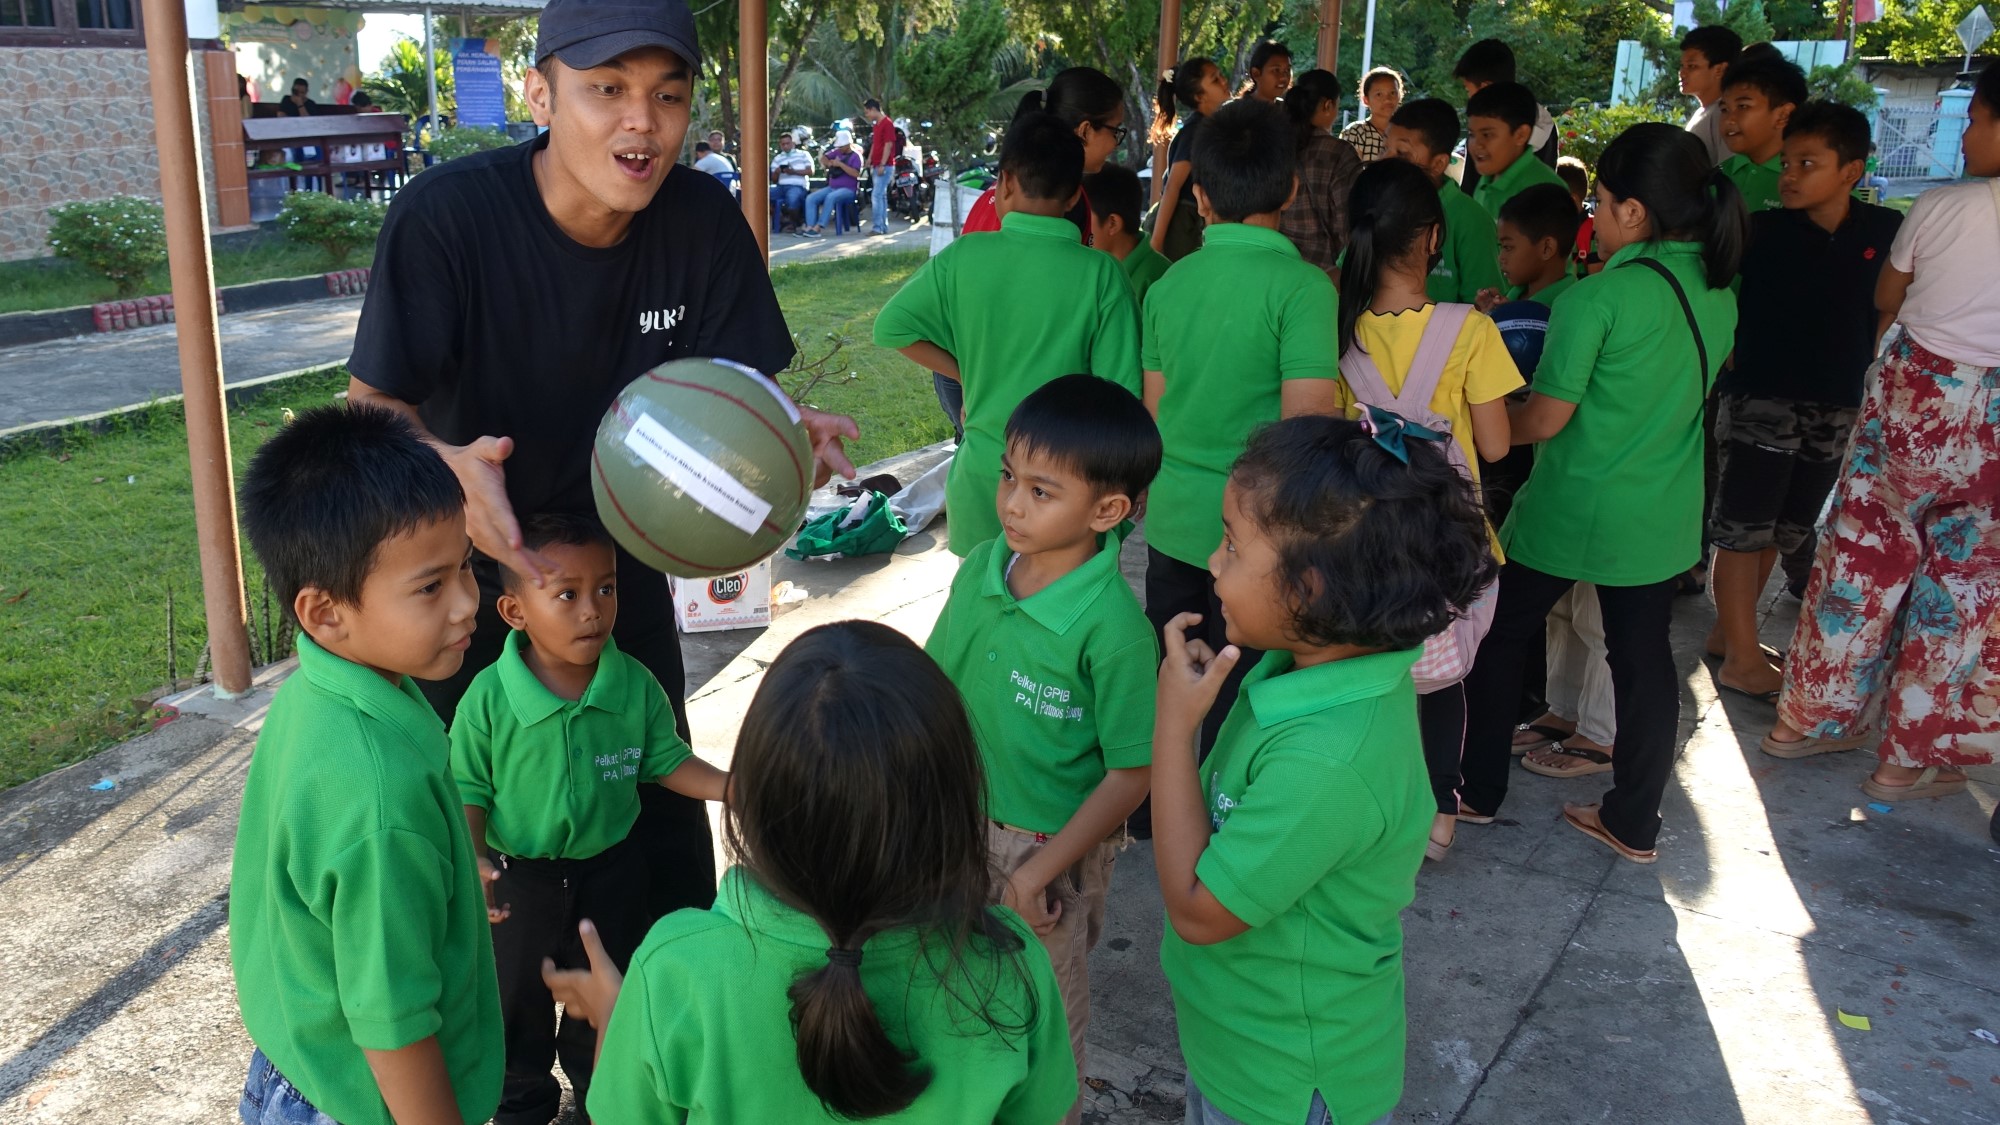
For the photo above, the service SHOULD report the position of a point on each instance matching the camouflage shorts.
(1779, 459)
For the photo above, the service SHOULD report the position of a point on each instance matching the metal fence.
(1907, 145)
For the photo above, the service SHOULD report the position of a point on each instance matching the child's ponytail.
(1728, 220)
(1177, 86)
(844, 1054)
(1686, 198)
(1392, 207)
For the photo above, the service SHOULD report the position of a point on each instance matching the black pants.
(1441, 720)
(672, 833)
(1645, 692)
(1499, 482)
(1173, 587)
(547, 898)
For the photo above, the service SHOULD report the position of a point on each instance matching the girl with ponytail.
(1089, 102)
(852, 936)
(1316, 218)
(1616, 495)
(1198, 84)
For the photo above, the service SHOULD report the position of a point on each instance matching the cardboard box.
(733, 601)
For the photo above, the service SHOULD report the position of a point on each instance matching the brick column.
(225, 130)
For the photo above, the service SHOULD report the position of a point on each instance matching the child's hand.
(588, 996)
(1033, 905)
(489, 875)
(1486, 300)
(1191, 676)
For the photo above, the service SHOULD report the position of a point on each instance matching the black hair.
(1177, 86)
(1488, 60)
(1309, 91)
(556, 529)
(1244, 160)
(1115, 190)
(301, 82)
(1763, 51)
(1433, 119)
(1044, 155)
(1094, 427)
(1574, 173)
(703, 146)
(1260, 56)
(1719, 45)
(871, 103)
(1986, 88)
(1544, 211)
(330, 487)
(1842, 127)
(1686, 196)
(361, 99)
(1369, 79)
(1075, 95)
(857, 797)
(1510, 102)
(1391, 206)
(1781, 82)
(1371, 551)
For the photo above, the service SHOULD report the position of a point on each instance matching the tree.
(1920, 32)
(399, 87)
(949, 74)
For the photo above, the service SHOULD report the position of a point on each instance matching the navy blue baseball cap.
(590, 33)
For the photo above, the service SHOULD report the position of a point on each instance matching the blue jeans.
(878, 194)
(951, 397)
(824, 204)
(268, 1099)
(1201, 1111)
(785, 197)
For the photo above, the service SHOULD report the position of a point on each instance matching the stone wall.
(83, 130)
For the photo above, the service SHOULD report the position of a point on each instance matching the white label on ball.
(711, 485)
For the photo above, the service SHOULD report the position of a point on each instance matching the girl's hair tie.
(1390, 429)
(851, 958)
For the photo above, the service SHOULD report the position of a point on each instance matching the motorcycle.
(909, 192)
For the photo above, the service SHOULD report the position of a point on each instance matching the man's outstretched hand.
(489, 515)
(827, 432)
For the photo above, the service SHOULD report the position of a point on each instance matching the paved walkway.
(1547, 982)
(86, 375)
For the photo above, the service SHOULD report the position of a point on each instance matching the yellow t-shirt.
(1479, 370)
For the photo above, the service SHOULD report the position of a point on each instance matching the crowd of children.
(1355, 574)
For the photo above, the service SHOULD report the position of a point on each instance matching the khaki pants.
(1081, 890)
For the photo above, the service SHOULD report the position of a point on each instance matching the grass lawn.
(102, 531)
(44, 283)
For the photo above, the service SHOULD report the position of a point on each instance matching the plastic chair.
(733, 181)
(847, 216)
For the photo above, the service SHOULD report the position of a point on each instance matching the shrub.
(454, 143)
(121, 238)
(337, 226)
(1585, 129)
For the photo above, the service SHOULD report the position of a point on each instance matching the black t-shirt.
(1805, 327)
(482, 312)
(288, 108)
(1182, 148)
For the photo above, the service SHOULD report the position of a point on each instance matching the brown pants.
(1081, 890)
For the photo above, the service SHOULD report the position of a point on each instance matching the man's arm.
(414, 1084)
(1100, 814)
(932, 358)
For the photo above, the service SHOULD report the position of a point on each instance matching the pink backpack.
(1447, 655)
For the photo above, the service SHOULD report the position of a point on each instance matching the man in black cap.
(516, 292)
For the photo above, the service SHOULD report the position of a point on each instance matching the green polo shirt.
(1616, 496)
(1143, 266)
(1320, 806)
(1225, 327)
(1023, 306)
(559, 778)
(1757, 182)
(1493, 192)
(702, 1029)
(1469, 260)
(1059, 686)
(356, 920)
(1548, 293)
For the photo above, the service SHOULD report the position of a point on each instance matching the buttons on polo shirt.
(991, 657)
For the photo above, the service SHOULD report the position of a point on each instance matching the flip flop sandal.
(1760, 696)
(1549, 736)
(1808, 746)
(1467, 816)
(1926, 785)
(1594, 828)
(1435, 851)
(1776, 656)
(1594, 761)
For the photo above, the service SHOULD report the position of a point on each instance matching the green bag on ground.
(868, 526)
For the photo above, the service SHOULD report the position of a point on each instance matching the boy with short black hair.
(549, 747)
(1805, 338)
(1485, 63)
(1706, 55)
(1537, 234)
(1117, 201)
(1499, 120)
(1423, 133)
(363, 969)
(1007, 313)
(1757, 98)
(1057, 664)
(1239, 334)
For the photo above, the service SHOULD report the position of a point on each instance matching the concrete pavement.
(1547, 982)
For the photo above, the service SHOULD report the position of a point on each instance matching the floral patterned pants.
(1901, 625)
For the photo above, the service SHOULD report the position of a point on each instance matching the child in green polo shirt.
(549, 747)
(1116, 202)
(1499, 121)
(1758, 97)
(851, 967)
(1238, 334)
(356, 933)
(1423, 132)
(1007, 313)
(1056, 663)
(1537, 238)
(1286, 859)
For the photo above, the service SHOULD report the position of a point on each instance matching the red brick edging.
(141, 312)
(347, 283)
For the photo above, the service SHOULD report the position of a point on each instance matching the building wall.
(82, 129)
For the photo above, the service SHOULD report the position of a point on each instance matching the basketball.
(701, 468)
(1524, 325)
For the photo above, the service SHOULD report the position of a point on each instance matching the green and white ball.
(701, 467)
